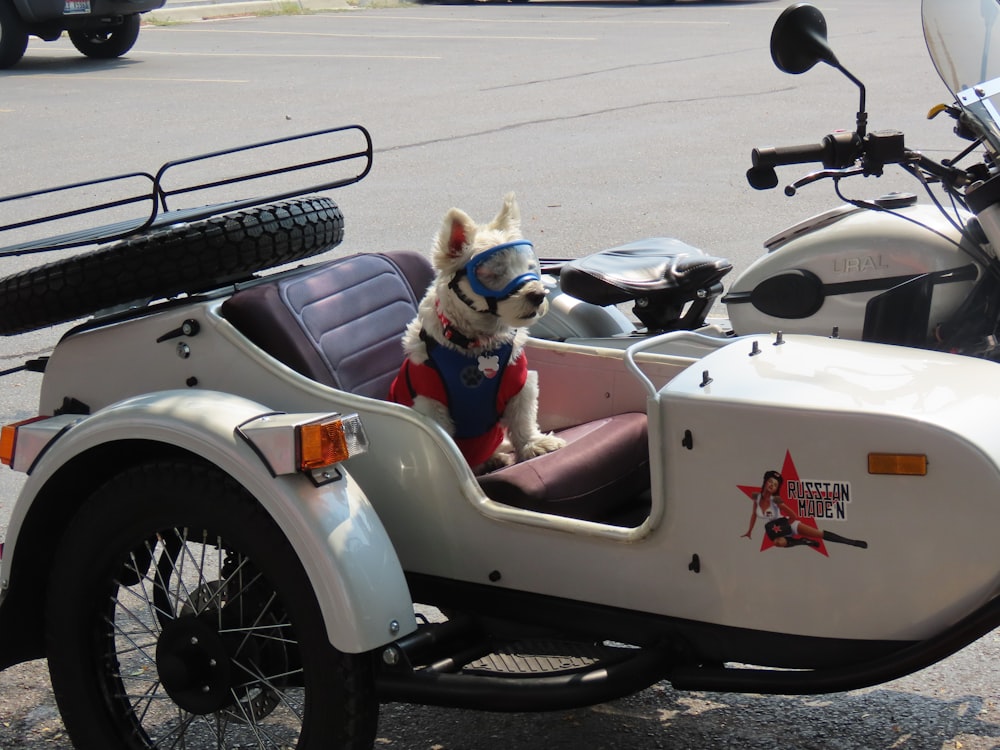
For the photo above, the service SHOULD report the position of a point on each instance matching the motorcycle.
(887, 270)
(227, 536)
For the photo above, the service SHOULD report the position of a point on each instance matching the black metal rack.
(153, 195)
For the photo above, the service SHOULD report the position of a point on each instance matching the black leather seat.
(660, 268)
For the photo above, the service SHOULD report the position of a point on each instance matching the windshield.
(964, 43)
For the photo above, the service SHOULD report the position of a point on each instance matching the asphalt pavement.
(613, 121)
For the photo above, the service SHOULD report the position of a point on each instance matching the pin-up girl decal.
(781, 524)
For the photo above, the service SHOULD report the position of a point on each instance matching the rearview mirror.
(798, 40)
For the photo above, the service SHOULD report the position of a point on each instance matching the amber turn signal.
(8, 439)
(330, 441)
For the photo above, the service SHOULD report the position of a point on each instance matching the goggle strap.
(491, 302)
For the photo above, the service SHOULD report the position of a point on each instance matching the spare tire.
(168, 261)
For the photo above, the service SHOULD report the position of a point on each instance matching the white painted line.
(291, 55)
(445, 37)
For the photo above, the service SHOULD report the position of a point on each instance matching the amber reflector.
(905, 464)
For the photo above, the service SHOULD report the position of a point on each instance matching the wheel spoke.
(144, 627)
(148, 699)
(260, 616)
(195, 581)
(178, 733)
(259, 731)
(263, 632)
(143, 595)
(136, 647)
(277, 692)
(177, 567)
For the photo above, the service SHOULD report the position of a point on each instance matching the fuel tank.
(828, 274)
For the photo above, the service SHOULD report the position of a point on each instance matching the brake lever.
(834, 174)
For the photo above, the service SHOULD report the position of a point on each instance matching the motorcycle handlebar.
(834, 151)
(776, 156)
(837, 151)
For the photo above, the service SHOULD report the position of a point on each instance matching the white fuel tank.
(821, 274)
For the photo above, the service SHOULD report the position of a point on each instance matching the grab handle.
(695, 344)
(641, 346)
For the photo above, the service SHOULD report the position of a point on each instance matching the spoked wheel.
(193, 625)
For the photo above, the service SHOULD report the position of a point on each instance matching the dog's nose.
(535, 298)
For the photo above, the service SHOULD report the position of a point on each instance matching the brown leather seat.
(602, 472)
(340, 323)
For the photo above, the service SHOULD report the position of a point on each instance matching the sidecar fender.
(338, 536)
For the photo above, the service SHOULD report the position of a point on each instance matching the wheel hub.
(194, 665)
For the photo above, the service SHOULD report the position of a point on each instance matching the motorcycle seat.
(661, 270)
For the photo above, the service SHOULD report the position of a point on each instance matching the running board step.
(544, 657)
(524, 676)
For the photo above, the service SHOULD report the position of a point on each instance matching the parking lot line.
(603, 21)
(341, 35)
(294, 55)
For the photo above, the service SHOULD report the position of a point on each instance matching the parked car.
(102, 29)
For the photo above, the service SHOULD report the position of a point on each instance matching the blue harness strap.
(472, 384)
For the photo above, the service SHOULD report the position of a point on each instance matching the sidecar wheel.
(219, 643)
(169, 261)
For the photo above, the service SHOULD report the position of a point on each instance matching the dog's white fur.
(459, 239)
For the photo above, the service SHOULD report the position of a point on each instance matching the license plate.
(75, 7)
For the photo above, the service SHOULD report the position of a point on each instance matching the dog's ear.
(508, 220)
(454, 242)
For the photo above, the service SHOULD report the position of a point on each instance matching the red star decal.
(789, 473)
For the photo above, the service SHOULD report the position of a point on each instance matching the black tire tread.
(169, 261)
(107, 44)
(208, 496)
(13, 35)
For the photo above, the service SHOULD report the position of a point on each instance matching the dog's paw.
(539, 446)
(498, 460)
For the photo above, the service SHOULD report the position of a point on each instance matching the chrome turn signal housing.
(291, 443)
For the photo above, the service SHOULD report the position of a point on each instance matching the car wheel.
(165, 262)
(13, 36)
(193, 624)
(108, 42)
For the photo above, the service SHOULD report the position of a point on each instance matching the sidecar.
(227, 533)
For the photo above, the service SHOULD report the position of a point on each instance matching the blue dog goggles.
(500, 271)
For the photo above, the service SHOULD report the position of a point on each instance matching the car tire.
(13, 35)
(108, 42)
(219, 641)
(169, 261)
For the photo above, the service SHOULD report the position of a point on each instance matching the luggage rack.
(155, 194)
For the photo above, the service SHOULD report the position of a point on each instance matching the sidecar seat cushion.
(602, 469)
(339, 323)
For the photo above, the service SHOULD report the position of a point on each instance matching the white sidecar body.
(894, 450)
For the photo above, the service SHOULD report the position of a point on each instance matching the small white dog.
(466, 367)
